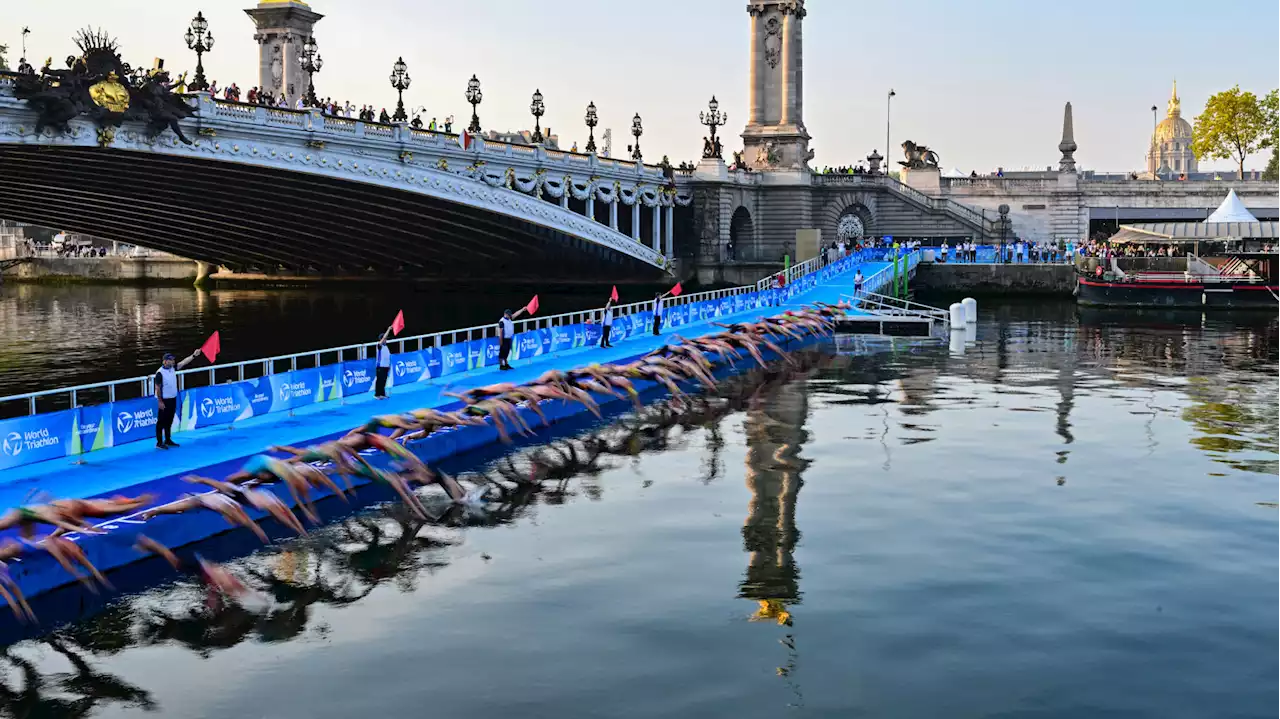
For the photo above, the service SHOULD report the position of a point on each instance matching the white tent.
(1231, 210)
(954, 172)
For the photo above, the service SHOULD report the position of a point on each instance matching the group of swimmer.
(302, 470)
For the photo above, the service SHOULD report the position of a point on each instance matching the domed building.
(1170, 150)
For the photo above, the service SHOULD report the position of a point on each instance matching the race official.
(382, 367)
(606, 323)
(506, 335)
(166, 384)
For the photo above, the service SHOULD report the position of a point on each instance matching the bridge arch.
(742, 233)
(846, 219)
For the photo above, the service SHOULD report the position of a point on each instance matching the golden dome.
(1173, 127)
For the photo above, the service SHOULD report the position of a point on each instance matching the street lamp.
(637, 130)
(474, 97)
(713, 119)
(311, 63)
(888, 106)
(199, 39)
(537, 108)
(1155, 164)
(592, 121)
(400, 81)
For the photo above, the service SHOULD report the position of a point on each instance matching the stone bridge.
(275, 190)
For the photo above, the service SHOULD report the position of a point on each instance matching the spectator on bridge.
(166, 383)
(606, 323)
(431, 127)
(382, 367)
(506, 333)
(385, 119)
(299, 104)
(283, 101)
(213, 89)
(448, 124)
(417, 122)
(252, 96)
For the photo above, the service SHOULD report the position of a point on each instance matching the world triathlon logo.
(399, 369)
(124, 422)
(348, 377)
(206, 408)
(13, 444)
(284, 393)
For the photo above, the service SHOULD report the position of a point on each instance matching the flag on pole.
(464, 140)
(397, 325)
(532, 307)
(675, 291)
(211, 347)
(614, 295)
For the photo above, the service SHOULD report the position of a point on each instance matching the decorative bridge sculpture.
(262, 188)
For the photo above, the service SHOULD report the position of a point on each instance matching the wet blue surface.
(1073, 517)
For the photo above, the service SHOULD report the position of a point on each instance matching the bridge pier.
(203, 270)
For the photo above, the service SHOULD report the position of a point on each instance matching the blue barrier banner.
(407, 368)
(212, 405)
(726, 306)
(260, 395)
(593, 334)
(526, 345)
(93, 429)
(330, 383)
(434, 361)
(24, 440)
(483, 352)
(453, 359)
(133, 419)
(561, 339)
(579, 335)
(294, 389)
(357, 377)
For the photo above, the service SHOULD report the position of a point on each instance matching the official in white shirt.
(166, 383)
(382, 367)
(606, 323)
(657, 312)
(506, 335)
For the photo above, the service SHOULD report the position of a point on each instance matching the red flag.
(675, 291)
(614, 295)
(532, 307)
(211, 347)
(397, 325)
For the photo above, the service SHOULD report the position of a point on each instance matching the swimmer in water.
(26, 518)
(265, 468)
(69, 555)
(214, 576)
(259, 499)
(9, 588)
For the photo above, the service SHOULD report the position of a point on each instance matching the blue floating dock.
(218, 451)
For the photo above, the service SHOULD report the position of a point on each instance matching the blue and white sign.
(407, 368)
(93, 429)
(453, 359)
(133, 419)
(357, 377)
(561, 339)
(25, 440)
(528, 344)
(291, 390)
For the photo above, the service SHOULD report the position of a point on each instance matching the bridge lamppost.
(592, 121)
(636, 129)
(199, 39)
(400, 81)
(713, 119)
(311, 63)
(474, 97)
(537, 108)
(888, 108)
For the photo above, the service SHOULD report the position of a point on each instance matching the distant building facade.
(1170, 150)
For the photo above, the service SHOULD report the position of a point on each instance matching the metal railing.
(141, 386)
(879, 304)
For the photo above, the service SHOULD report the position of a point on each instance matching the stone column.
(756, 75)
(564, 199)
(667, 226)
(292, 69)
(635, 220)
(788, 85)
(591, 204)
(796, 63)
(613, 213)
(657, 228)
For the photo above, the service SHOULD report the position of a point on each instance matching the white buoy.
(970, 309)
(956, 345)
(957, 316)
(928, 257)
(971, 334)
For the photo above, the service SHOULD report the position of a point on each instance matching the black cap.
(168, 356)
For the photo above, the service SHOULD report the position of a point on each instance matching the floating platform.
(887, 325)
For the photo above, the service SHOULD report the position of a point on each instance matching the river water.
(1075, 517)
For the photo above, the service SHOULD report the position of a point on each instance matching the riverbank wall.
(104, 270)
(993, 279)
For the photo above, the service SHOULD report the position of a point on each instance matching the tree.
(3, 65)
(1272, 170)
(1232, 127)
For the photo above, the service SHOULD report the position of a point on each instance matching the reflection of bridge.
(269, 189)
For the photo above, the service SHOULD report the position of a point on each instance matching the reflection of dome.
(1170, 149)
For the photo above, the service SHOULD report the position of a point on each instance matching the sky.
(982, 82)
